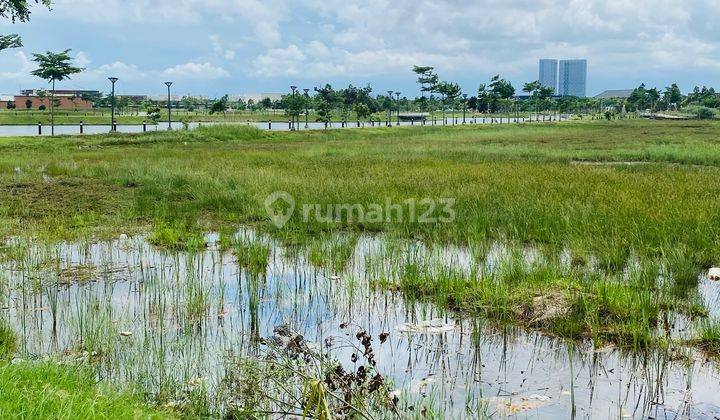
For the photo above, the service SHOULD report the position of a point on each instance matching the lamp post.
(292, 125)
(112, 103)
(168, 84)
(464, 106)
(390, 95)
(307, 99)
(398, 107)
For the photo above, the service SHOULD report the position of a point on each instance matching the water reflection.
(158, 318)
(32, 130)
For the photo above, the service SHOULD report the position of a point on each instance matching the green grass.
(708, 337)
(8, 341)
(48, 389)
(609, 191)
(37, 390)
(522, 183)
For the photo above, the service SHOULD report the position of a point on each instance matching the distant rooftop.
(615, 93)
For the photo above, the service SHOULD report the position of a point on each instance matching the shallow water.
(189, 313)
(32, 130)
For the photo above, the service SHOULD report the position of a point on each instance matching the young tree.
(16, 11)
(293, 105)
(324, 110)
(153, 112)
(221, 105)
(362, 111)
(500, 90)
(325, 100)
(42, 94)
(428, 80)
(449, 92)
(532, 88)
(54, 67)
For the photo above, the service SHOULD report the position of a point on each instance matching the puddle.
(153, 317)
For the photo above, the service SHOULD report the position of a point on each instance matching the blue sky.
(213, 47)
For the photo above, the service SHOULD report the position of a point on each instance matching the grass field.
(606, 187)
(634, 199)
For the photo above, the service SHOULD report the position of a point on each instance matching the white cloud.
(381, 38)
(263, 16)
(81, 60)
(16, 66)
(198, 71)
(279, 62)
(219, 49)
(126, 72)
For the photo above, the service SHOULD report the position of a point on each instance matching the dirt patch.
(52, 197)
(548, 307)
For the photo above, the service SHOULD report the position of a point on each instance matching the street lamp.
(307, 99)
(464, 106)
(292, 117)
(398, 105)
(168, 84)
(112, 103)
(389, 121)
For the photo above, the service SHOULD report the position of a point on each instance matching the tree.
(189, 103)
(428, 81)
(533, 88)
(324, 110)
(28, 104)
(294, 104)
(221, 105)
(653, 96)
(93, 98)
(499, 90)
(153, 112)
(672, 96)
(638, 98)
(362, 111)
(16, 11)
(450, 92)
(54, 67)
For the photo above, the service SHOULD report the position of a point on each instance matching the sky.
(214, 47)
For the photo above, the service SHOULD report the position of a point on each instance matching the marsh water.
(159, 317)
(32, 130)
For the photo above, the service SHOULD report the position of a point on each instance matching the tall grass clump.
(252, 254)
(708, 337)
(8, 341)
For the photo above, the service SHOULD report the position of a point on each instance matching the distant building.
(572, 78)
(256, 97)
(65, 99)
(7, 101)
(548, 76)
(615, 94)
(133, 98)
(60, 92)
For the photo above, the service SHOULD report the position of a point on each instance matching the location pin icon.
(280, 214)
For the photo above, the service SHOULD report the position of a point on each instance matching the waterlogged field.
(571, 279)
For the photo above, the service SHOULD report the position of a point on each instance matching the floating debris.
(714, 274)
(126, 333)
(516, 405)
(435, 326)
(78, 273)
(334, 277)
